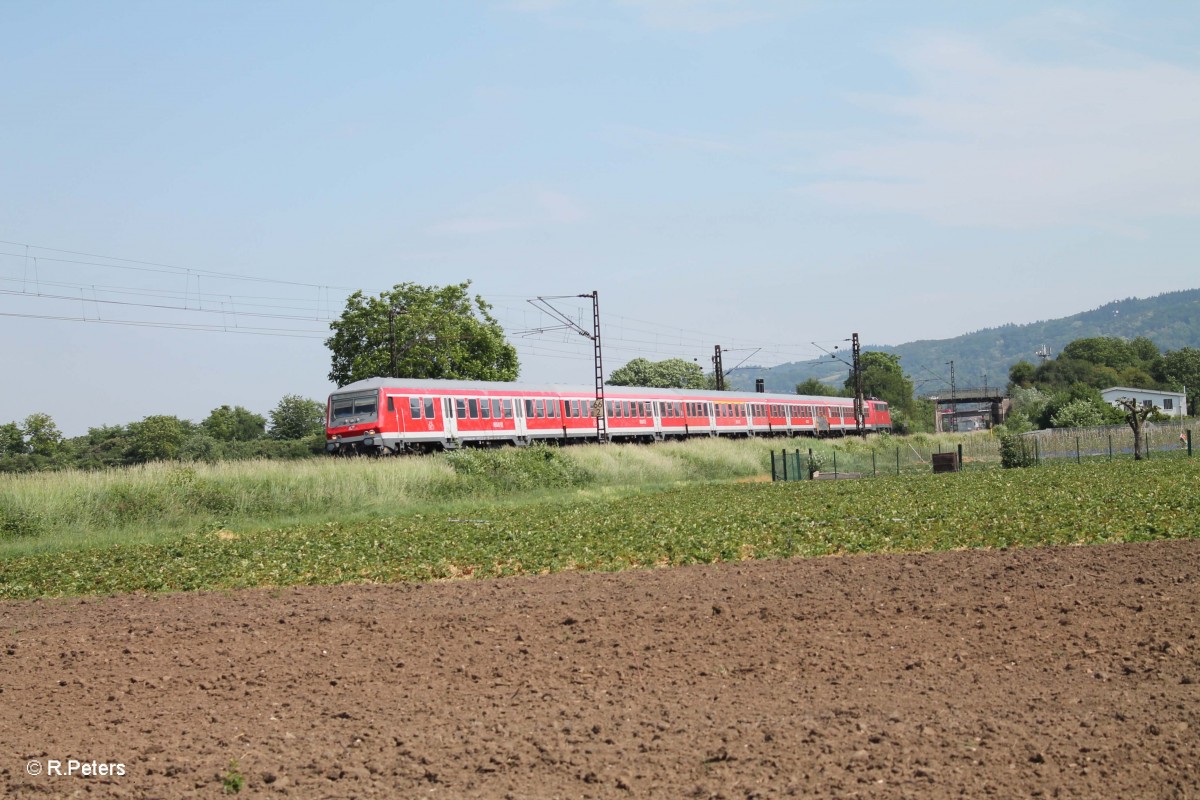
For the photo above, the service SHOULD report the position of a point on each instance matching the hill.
(1170, 320)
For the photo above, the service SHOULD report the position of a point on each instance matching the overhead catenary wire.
(624, 335)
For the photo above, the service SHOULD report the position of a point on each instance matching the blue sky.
(205, 182)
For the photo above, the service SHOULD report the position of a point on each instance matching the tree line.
(294, 428)
(1064, 391)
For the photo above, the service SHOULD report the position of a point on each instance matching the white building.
(1173, 404)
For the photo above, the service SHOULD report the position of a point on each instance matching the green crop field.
(484, 519)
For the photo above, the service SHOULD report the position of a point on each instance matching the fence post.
(835, 465)
(960, 463)
(1189, 442)
(1146, 441)
(1078, 460)
(1037, 453)
(873, 472)
(897, 460)
(1110, 447)
(773, 463)
(810, 469)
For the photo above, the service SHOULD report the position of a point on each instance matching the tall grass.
(57, 510)
(53, 510)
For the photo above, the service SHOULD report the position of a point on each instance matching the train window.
(485, 409)
(529, 409)
(497, 413)
(608, 408)
(552, 409)
(414, 407)
(507, 405)
(430, 409)
(460, 408)
(391, 404)
(572, 408)
(473, 408)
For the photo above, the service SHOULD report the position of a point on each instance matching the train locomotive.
(400, 415)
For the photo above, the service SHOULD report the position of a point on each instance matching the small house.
(1173, 404)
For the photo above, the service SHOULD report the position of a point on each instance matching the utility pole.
(717, 369)
(860, 423)
(953, 399)
(598, 409)
(543, 304)
(392, 333)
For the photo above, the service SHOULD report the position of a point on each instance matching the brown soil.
(1067, 672)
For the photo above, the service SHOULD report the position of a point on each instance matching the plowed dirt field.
(1068, 672)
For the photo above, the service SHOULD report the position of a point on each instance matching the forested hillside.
(1170, 320)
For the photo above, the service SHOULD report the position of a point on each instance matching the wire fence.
(972, 452)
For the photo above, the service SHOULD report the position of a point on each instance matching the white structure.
(1173, 404)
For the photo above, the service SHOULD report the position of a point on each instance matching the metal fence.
(916, 455)
(1111, 442)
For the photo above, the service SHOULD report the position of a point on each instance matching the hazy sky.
(755, 174)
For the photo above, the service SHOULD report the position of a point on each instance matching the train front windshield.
(352, 409)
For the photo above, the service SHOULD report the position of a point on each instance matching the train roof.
(437, 384)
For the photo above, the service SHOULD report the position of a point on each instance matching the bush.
(537, 466)
(1016, 451)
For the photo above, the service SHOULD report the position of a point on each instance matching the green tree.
(428, 331)
(1181, 368)
(1109, 351)
(12, 440)
(1101, 413)
(296, 417)
(106, 446)
(1022, 374)
(673, 373)
(812, 386)
(1077, 414)
(235, 424)
(42, 436)
(883, 377)
(157, 438)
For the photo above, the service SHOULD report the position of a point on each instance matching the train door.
(392, 417)
(450, 424)
(656, 409)
(520, 429)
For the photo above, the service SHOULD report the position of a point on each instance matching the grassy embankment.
(507, 512)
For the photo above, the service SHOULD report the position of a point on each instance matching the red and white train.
(397, 415)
